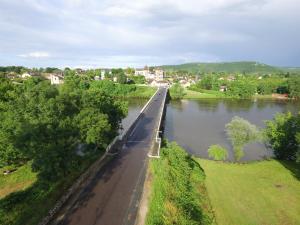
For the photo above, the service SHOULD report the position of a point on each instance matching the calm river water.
(197, 124)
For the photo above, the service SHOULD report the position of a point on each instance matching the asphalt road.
(112, 197)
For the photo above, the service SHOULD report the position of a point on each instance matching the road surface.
(112, 197)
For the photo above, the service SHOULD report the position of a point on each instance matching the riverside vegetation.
(178, 190)
(40, 132)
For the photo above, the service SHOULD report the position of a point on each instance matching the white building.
(56, 79)
(102, 75)
(157, 74)
(160, 83)
(26, 75)
(142, 72)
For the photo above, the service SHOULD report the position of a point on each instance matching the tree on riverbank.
(240, 133)
(283, 135)
(177, 91)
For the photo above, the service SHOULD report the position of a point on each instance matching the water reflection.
(197, 124)
(134, 108)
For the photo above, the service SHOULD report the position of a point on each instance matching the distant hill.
(228, 67)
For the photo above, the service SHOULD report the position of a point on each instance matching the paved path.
(112, 197)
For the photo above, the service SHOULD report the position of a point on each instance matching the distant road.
(112, 197)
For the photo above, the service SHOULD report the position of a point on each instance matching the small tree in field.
(240, 133)
(217, 152)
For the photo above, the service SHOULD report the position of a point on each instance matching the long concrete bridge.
(112, 195)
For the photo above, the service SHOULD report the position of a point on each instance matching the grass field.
(262, 193)
(16, 181)
(142, 92)
(196, 95)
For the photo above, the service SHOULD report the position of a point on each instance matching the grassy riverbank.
(178, 191)
(190, 94)
(142, 92)
(256, 193)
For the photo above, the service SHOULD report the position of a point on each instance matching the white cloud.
(116, 32)
(35, 55)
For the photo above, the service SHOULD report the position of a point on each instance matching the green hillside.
(229, 67)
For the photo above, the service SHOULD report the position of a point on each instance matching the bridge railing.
(155, 151)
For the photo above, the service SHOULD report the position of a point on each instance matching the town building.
(56, 79)
(156, 73)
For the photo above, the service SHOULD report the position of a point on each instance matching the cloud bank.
(110, 33)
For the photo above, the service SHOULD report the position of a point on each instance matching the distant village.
(153, 76)
(146, 76)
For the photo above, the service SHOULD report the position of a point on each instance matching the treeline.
(247, 86)
(45, 124)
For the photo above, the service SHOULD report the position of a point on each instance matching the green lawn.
(142, 92)
(21, 179)
(256, 193)
(189, 94)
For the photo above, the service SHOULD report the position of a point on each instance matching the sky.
(122, 33)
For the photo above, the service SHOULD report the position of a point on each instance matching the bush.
(217, 152)
(176, 91)
(179, 195)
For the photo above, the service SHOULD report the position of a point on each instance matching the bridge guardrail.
(157, 142)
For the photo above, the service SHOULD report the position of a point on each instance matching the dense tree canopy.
(283, 135)
(241, 88)
(294, 86)
(45, 124)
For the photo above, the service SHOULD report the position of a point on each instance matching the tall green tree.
(177, 91)
(283, 135)
(294, 86)
(240, 133)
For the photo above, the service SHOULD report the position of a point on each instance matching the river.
(197, 124)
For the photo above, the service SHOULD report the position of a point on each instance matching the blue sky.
(121, 33)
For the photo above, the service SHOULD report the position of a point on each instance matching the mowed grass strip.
(256, 193)
(20, 179)
(190, 94)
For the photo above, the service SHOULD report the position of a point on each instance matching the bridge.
(109, 194)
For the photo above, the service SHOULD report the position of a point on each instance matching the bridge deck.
(112, 197)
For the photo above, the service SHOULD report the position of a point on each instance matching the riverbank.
(266, 192)
(141, 92)
(178, 194)
(190, 94)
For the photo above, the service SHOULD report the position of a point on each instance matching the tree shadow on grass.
(293, 167)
